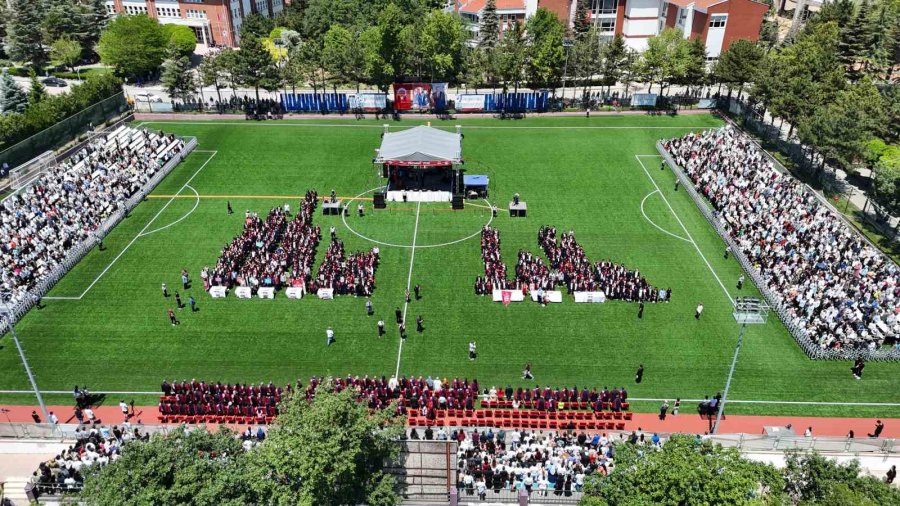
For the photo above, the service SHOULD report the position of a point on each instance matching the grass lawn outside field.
(575, 174)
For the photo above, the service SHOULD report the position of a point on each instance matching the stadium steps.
(14, 491)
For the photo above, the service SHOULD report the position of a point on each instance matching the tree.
(4, 16)
(24, 37)
(177, 77)
(615, 61)
(878, 55)
(545, 33)
(739, 64)
(133, 45)
(665, 58)
(443, 43)
(768, 30)
(342, 56)
(320, 15)
(256, 25)
(198, 467)
(511, 56)
(811, 479)
(36, 90)
(67, 51)
(12, 98)
(181, 37)
(254, 65)
(684, 471)
(489, 33)
(212, 73)
(582, 22)
(327, 453)
(692, 71)
(64, 17)
(586, 58)
(886, 187)
(855, 37)
(97, 20)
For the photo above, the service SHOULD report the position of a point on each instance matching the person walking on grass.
(399, 315)
(418, 291)
(178, 302)
(165, 291)
(740, 283)
(472, 351)
(641, 310)
(369, 310)
(407, 296)
(380, 328)
(639, 374)
(420, 327)
(172, 318)
(193, 302)
(699, 311)
(228, 207)
(329, 336)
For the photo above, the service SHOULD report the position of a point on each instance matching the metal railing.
(812, 349)
(77, 252)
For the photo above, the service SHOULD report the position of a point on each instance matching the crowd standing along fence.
(70, 128)
(18, 310)
(800, 334)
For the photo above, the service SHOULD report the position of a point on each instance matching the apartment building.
(215, 22)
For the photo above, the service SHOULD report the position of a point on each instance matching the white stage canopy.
(421, 145)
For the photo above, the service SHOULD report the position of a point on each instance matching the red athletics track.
(648, 422)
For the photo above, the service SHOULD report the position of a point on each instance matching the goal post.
(25, 174)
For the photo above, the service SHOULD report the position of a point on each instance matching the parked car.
(54, 82)
(145, 96)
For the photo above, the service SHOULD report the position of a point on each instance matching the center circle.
(410, 246)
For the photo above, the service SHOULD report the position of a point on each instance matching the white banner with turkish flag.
(507, 296)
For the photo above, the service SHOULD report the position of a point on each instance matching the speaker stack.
(458, 202)
(378, 201)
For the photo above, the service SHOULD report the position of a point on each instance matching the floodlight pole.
(567, 43)
(737, 350)
(37, 393)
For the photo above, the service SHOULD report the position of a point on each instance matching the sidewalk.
(688, 421)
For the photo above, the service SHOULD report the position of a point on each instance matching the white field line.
(403, 127)
(196, 205)
(638, 158)
(631, 399)
(412, 258)
(654, 224)
(138, 236)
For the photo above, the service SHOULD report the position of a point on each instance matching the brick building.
(717, 22)
(215, 22)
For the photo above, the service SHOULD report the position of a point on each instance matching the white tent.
(420, 145)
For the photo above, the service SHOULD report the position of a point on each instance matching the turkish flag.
(506, 297)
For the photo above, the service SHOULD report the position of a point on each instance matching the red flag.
(506, 297)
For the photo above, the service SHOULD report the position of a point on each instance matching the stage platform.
(418, 196)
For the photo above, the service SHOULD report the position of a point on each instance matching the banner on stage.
(470, 103)
(325, 293)
(439, 96)
(217, 292)
(243, 292)
(510, 295)
(294, 292)
(369, 102)
(266, 293)
(551, 295)
(595, 297)
(412, 96)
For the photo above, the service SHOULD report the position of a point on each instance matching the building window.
(682, 16)
(168, 12)
(192, 1)
(197, 14)
(262, 8)
(111, 9)
(607, 25)
(603, 7)
(718, 20)
(665, 10)
(134, 10)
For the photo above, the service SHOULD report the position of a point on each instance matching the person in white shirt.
(472, 352)
(53, 418)
(699, 311)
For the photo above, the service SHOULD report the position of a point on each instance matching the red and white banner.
(412, 96)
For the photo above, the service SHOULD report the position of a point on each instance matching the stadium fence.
(64, 131)
(812, 349)
(18, 310)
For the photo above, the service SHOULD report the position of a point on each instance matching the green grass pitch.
(575, 173)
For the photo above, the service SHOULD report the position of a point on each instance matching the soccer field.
(105, 323)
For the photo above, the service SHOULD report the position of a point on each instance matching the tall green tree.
(12, 98)
(443, 42)
(212, 73)
(586, 59)
(342, 56)
(133, 45)
(255, 67)
(4, 16)
(199, 468)
(64, 17)
(329, 452)
(97, 20)
(489, 33)
(181, 37)
(36, 90)
(665, 59)
(177, 77)
(511, 56)
(256, 25)
(768, 30)
(544, 40)
(879, 54)
(66, 51)
(739, 65)
(615, 61)
(811, 479)
(684, 471)
(582, 22)
(855, 38)
(24, 37)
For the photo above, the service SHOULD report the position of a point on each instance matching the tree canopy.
(133, 45)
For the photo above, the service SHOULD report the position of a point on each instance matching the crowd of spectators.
(66, 205)
(352, 274)
(543, 464)
(842, 291)
(271, 253)
(94, 445)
